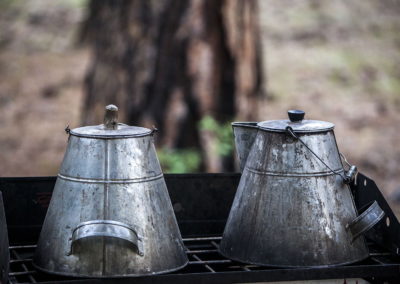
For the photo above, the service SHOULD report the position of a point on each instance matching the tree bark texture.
(169, 63)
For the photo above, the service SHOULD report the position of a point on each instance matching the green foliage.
(75, 3)
(179, 160)
(189, 160)
(10, 6)
(223, 133)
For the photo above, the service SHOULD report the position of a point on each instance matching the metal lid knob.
(296, 115)
(111, 117)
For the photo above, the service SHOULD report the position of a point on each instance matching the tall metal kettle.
(110, 214)
(293, 206)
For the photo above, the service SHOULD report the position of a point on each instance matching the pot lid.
(297, 123)
(111, 128)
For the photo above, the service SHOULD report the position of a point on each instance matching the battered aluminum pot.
(293, 207)
(110, 214)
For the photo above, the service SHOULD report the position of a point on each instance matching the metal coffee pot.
(293, 206)
(110, 214)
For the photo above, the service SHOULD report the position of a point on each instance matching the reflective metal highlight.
(290, 209)
(110, 214)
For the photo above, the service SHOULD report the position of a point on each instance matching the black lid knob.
(296, 115)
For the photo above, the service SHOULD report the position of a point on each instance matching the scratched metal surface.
(110, 179)
(289, 209)
(201, 203)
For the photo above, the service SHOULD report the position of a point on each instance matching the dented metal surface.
(290, 210)
(110, 214)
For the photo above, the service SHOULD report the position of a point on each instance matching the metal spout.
(245, 134)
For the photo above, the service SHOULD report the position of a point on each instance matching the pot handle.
(366, 220)
(107, 229)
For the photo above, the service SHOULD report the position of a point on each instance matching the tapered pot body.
(110, 214)
(290, 210)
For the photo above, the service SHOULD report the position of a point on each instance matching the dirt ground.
(340, 62)
(337, 60)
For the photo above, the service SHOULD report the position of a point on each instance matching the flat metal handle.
(366, 220)
(107, 229)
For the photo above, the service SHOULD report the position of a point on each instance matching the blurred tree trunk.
(170, 63)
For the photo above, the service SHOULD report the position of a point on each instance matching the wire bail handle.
(348, 176)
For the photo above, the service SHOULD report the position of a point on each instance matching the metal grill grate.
(204, 259)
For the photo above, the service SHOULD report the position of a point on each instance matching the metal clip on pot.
(107, 229)
(351, 173)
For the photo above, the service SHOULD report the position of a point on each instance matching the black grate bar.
(215, 245)
(202, 239)
(29, 273)
(210, 261)
(243, 267)
(201, 251)
(23, 247)
(26, 270)
(380, 254)
(377, 260)
(205, 265)
(20, 260)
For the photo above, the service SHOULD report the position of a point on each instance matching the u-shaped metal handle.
(107, 229)
(366, 220)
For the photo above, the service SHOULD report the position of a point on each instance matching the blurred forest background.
(338, 60)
